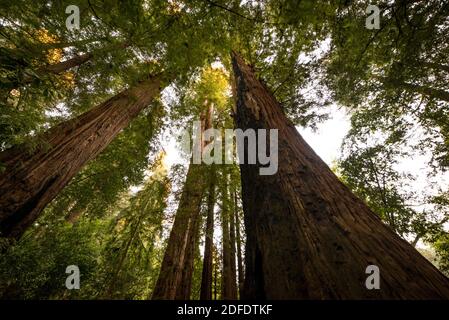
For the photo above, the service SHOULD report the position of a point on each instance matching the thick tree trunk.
(308, 236)
(175, 277)
(228, 287)
(184, 289)
(206, 277)
(239, 246)
(32, 180)
(177, 254)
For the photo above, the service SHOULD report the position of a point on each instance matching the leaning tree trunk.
(308, 236)
(206, 276)
(67, 64)
(31, 180)
(175, 276)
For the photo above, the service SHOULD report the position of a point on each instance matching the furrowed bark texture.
(206, 276)
(31, 180)
(175, 276)
(178, 253)
(239, 246)
(228, 287)
(308, 236)
(232, 249)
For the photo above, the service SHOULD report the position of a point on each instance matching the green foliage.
(35, 267)
(392, 81)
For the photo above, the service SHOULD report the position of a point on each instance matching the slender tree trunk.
(228, 288)
(174, 281)
(206, 277)
(76, 61)
(215, 264)
(232, 250)
(308, 236)
(31, 180)
(119, 264)
(67, 64)
(239, 246)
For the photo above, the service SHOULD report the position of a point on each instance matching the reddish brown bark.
(228, 287)
(175, 276)
(239, 246)
(32, 180)
(308, 236)
(232, 251)
(184, 289)
(206, 277)
(215, 264)
(67, 64)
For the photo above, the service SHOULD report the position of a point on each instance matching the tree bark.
(32, 180)
(308, 236)
(206, 277)
(214, 258)
(228, 288)
(184, 289)
(239, 246)
(233, 250)
(67, 64)
(174, 281)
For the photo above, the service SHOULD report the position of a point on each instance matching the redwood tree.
(238, 244)
(206, 276)
(30, 180)
(228, 288)
(175, 277)
(308, 236)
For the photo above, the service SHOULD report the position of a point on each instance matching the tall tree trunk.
(206, 277)
(239, 246)
(215, 264)
(32, 180)
(175, 276)
(228, 288)
(232, 249)
(177, 254)
(184, 289)
(308, 236)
